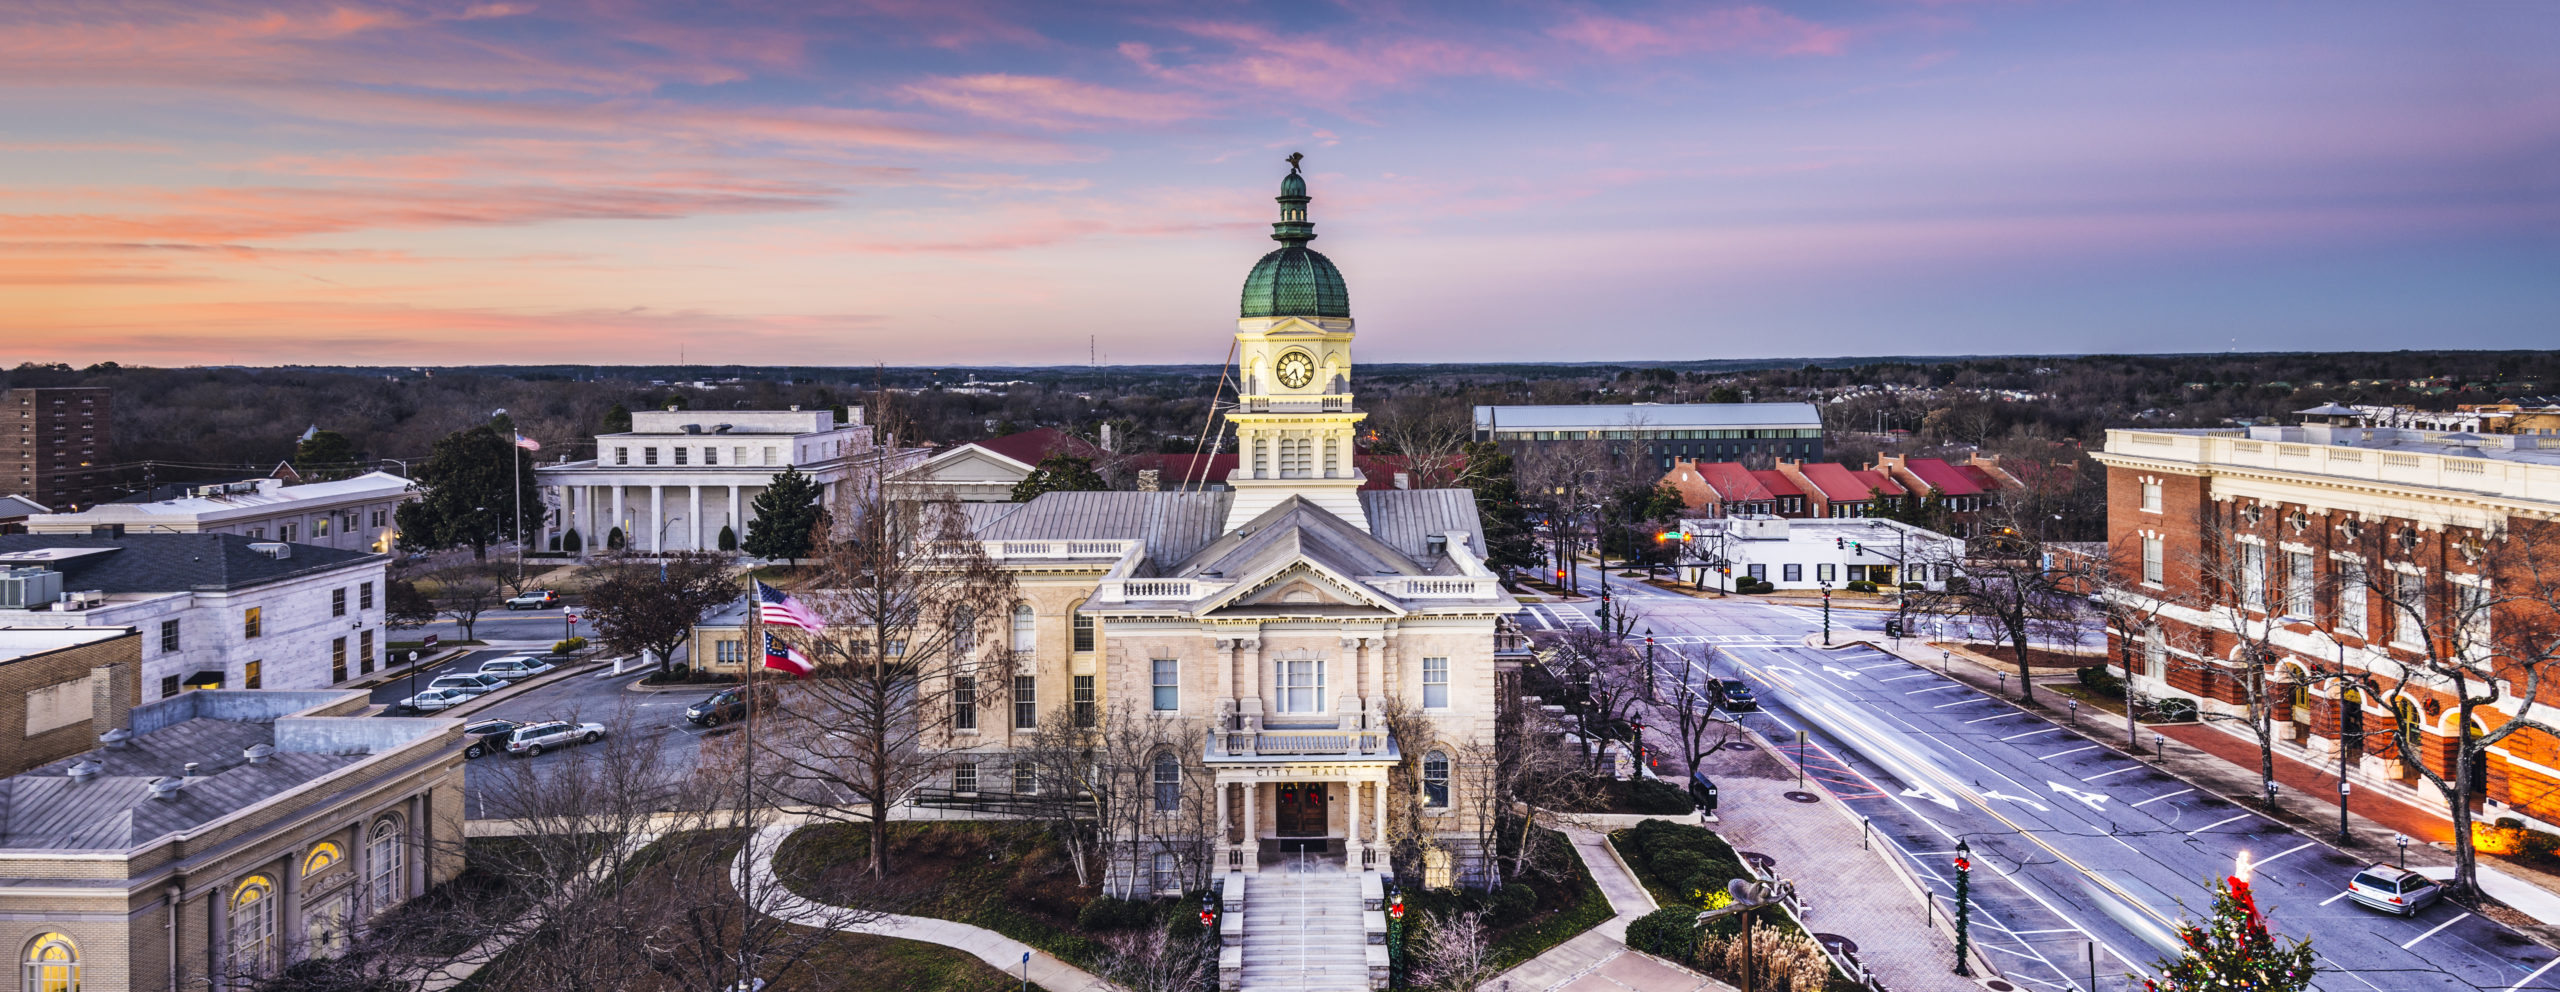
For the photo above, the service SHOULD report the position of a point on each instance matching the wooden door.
(1300, 809)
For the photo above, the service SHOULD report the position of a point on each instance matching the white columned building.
(679, 477)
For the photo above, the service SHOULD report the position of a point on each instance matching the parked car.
(1738, 697)
(532, 739)
(469, 683)
(431, 700)
(726, 705)
(481, 736)
(2393, 889)
(533, 599)
(515, 666)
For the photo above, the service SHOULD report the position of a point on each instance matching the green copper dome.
(1294, 280)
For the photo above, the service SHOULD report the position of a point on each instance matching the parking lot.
(599, 696)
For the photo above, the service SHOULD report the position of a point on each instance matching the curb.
(635, 686)
(561, 674)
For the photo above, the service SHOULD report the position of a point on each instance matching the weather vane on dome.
(1294, 157)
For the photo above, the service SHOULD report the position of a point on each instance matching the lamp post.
(1395, 936)
(1648, 666)
(1964, 908)
(1826, 613)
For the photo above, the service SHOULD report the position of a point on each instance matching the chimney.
(191, 769)
(1149, 480)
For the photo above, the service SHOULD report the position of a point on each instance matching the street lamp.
(1648, 666)
(1395, 935)
(1964, 907)
(1826, 613)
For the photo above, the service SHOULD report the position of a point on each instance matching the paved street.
(2077, 848)
(504, 625)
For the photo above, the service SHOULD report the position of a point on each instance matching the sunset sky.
(968, 181)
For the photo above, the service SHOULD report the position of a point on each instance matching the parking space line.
(2413, 941)
(2119, 771)
(1960, 702)
(2069, 753)
(1934, 688)
(1902, 678)
(2157, 798)
(2261, 862)
(2216, 823)
(2537, 973)
(1988, 719)
(1890, 664)
(2033, 733)
(2343, 894)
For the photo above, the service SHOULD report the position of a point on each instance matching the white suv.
(515, 667)
(532, 739)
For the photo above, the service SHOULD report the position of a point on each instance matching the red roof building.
(1720, 489)
(1840, 491)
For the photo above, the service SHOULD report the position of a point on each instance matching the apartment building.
(55, 444)
(2332, 547)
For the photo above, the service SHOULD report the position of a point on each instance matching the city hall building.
(1273, 623)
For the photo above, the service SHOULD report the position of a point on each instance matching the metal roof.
(1406, 519)
(45, 809)
(1648, 416)
(1174, 525)
(145, 563)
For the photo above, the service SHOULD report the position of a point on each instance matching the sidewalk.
(2307, 802)
(1598, 960)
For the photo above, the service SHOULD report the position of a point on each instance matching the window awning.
(204, 680)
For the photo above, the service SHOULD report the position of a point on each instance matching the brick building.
(60, 448)
(1963, 489)
(2350, 550)
(1841, 492)
(60, 687)
(1723, 489)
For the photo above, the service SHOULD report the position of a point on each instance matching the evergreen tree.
(325, 455)
(473, 479)
(1509, 540)
(2234, 951)
(617, 419)
(786, 519)
(1058, 473)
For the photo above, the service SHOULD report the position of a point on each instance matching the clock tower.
(1294, 420)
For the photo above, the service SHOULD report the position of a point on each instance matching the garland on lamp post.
(1964, 908)
(1395, 937)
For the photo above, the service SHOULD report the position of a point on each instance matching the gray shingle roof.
(43, 809)
(144, 563)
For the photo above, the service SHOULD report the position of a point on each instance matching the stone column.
(1252, 830)
(1224, 846)
(289, 911)
(621, 515)
(735, 520)
(1381, 827)
(588, 539)
(1351, 825)
(695, 521)
(657, 518)
(1249, 676)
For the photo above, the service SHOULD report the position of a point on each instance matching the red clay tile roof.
(1980, 477)
(1942, 477)
(1877, 483)
(1839, 484)
(1028, 447)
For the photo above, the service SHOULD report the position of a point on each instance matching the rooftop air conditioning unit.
(273, 549)
(29, 588)
(82, 600)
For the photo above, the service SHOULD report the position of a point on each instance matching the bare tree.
(2131, 602)
(464, 592)
(1694, 710)
(2461, 627)
(1430, 431)
(1602, 677)
(1103, 790)
(1154, 960)
(2251, 600)
(1454, 952)
(901, 665)
(2008, 580)
(1535, 770)
(650, 604)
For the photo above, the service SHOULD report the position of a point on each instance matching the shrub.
(613, 539)
(728, 539)
(2097, 679)
(1185, 926)
(1656, 796)
(1106, 913)
(1912, 587)
(1511, 903)
(1958, 584)
(1677, 867)
(2174, 709)
(1670, 932)
(570, 645)
(571, 542)
(1861, 585)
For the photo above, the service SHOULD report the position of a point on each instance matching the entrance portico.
(1302, 803)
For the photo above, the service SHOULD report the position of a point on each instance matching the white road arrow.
(2040, 807)
(1839, 671)
(1930, 795)
(1783, 668)
(2094, 800)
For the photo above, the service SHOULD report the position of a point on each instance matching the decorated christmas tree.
(2233, 951)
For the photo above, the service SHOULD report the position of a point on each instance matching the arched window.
(386, 885)
(2408, 724)
(1084, 629)
(53, 964)
(1435, 780)
(253, 926)
(1168, 777)
(323, 856)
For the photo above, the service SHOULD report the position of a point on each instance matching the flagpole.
(515, 461)
(747, 879)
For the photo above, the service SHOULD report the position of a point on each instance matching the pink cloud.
(1261, 62)
(1052, 102)
(1754, 30)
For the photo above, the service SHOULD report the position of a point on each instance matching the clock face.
(1296, 369)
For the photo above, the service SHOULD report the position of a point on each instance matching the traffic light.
(1839, 543)
(1893, 628)
(1861, 549)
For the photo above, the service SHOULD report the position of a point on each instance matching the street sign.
(573, 618)
(428, 642)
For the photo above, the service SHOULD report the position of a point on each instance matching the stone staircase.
(1305, 932)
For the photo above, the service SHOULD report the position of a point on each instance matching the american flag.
(527, 443)
(784, 657)
(776, 607)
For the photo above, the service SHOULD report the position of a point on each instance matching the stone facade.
(61, 688)
(305, 638)
(678, 477)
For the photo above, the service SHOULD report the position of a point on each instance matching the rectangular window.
(320, 527)
(1084, 631)
(964, 777)
(2409, 613)
(337, 602)
(2351, 598)
(378, 517)
(2471, 605)
(168, 636)
(680, 452)
(2253, 576)
(648, 456)
(2154, 551)
(1026, 779)
(1084, 700)
(1302, 686)
(1026, 702)
(364, 653)
(1792, 572)
(168, 686)
(622, 456)
(2155, 654)
(249, 675)
(769, 454)
(338, 659)
(1435, 683)
(2298, 591)
(1825, 573)
(2150, 497)
(364, 595)
(710, 455)
(1168, 684)
(284, 532)
(964, 704)
(738, 455)
(728, 652)
(249, 625)
(1760, 572)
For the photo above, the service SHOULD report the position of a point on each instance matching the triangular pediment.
(1301, 584)
(968, 463)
